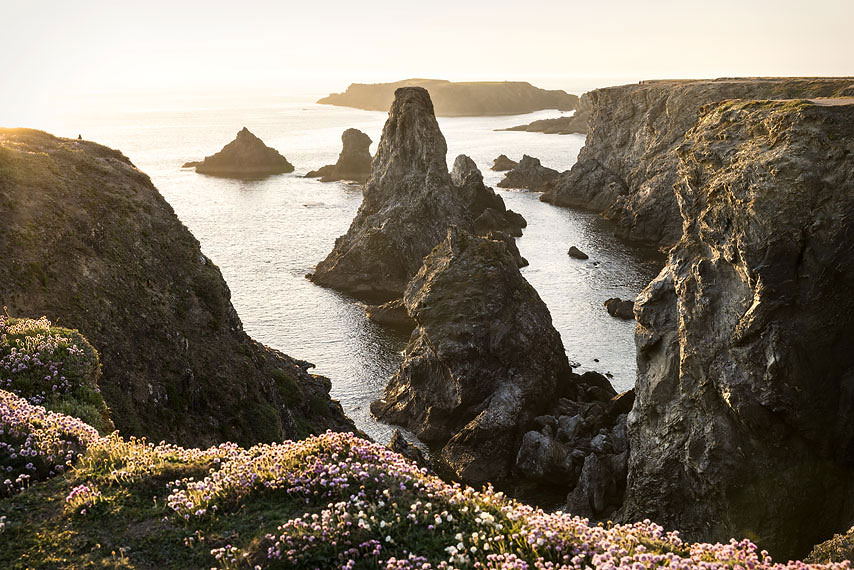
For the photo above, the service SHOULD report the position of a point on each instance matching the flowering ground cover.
(330, 501)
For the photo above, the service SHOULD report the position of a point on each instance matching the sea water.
(265, 235)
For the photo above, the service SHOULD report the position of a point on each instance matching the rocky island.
(245, 157)
(410, 201)
(529, 174)
(451, 99)
(628, 165)
(89, 242)
(354, 162)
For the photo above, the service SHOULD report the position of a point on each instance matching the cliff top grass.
(330, 501)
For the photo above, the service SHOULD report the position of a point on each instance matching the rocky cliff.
(628, 165)
(354, 162)
(409, 202)
(459, 99)
(245, 157)
(88, 241)
(745, 393)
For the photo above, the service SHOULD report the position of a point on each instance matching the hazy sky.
(54, 48)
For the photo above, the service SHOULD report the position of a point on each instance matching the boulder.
(577, 253)
(620, 308)
(354, 162)
(530, 175)
(743, 423)
(245, 157)
(503, 163)
(409, 202)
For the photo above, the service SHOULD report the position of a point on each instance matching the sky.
(55, 51)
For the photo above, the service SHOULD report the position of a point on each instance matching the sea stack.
(744, 418)
(409, 202)
(503, 163)
(354, 162)
(529, 174)
(245, 157)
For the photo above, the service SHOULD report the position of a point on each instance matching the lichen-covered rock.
(503, 163)
(89, 242)
(245, 157)
(628, 165)
(409, 202)
(483, 362)
(354, 162)
(530, 175)
(744, 418)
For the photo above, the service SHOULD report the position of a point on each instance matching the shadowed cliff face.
(628, 165)
(743, 420)
(88, 241)
(409, 202)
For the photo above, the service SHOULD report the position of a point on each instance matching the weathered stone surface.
(503, 163)
(745, 394)
(245, 157)
(836, 549)
(620, 308)
(529, 174)
(354, 162)
(409, 202)
(483, 362)
(577, 253)
(628, 165)
(459, 99)
(88, 241)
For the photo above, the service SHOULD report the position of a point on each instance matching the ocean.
(265, 235)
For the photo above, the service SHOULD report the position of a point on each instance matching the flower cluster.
(36, 444)
(3, 524)
(83, 497)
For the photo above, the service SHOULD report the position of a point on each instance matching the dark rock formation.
(354, 162)
(503, 163)
(529, 174)
(744, 419)
(409, 202)
(88, 241)
(398, 444)
(620, 308)
(628, 165)
(392, 314)
(459, 99)
(245, 157)
(483, 362)
(577, 253)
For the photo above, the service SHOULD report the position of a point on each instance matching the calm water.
(266, 235)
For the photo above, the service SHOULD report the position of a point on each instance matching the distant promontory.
(459, 99)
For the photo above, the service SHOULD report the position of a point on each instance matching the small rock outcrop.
(744, 419)
(392, 314)
(573, 124)
(409, 202)
(110, 258)
(577, 253)
(628, 165)
(354, 162)
(503, 163)
(245, 157)
(474, 98)
(620, 308)
(530, 175)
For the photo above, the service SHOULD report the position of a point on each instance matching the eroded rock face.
(245, 157)
(745, 393)
(354, 162)
(409, 202)
(89, 242)
(530, 175)
(628, 165)
(483, 361)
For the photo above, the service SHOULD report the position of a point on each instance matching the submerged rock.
(628, 165)
(503, 163)
(744, 419)
(118, 264)
(409, 202)
(354, 162)
(620, 308)
(530, 175)
(245, 157)
(577, 253)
